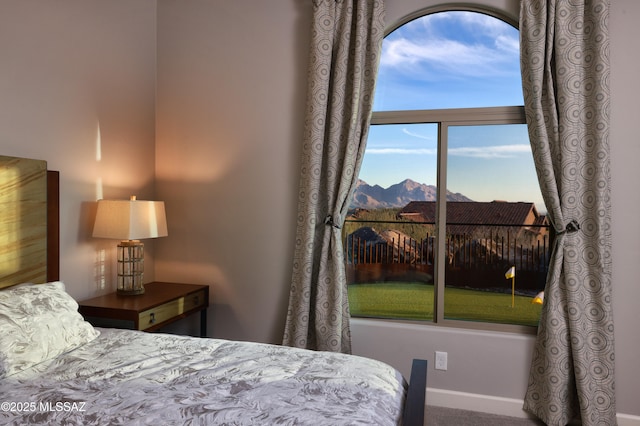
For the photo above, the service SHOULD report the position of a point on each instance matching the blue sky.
(452, 60)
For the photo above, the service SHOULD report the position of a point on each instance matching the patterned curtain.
(345, 51)
(565, 74)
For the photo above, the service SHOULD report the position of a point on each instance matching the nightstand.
(161, 304)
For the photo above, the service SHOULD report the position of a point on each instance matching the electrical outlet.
(441, 360)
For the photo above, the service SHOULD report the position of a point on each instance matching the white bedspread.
(133, 378)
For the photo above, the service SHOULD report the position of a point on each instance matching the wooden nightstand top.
(155, 293)
(161, 304)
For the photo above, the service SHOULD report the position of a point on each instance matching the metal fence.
(474, 260)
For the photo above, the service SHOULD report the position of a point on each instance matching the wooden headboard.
(29, 222)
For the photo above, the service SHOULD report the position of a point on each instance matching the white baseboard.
(496, 405)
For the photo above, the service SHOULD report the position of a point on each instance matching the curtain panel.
(346, 40)
(565, 76)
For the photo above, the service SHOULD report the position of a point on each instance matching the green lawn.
(415, 301)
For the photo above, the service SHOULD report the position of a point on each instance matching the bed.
(55, 368)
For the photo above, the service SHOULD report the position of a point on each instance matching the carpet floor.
(442, 416)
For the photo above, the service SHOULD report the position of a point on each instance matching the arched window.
(448, 113)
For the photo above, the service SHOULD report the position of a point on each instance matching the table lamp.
(130, 221)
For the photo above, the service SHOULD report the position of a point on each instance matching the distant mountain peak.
(397, 195)
(409, 183)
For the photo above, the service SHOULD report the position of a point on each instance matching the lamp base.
(130, 268)
(123, 292)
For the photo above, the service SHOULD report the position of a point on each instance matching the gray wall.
(231, 93)
(77, 89)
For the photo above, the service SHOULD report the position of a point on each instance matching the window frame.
(445, 118)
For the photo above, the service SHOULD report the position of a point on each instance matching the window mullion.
(441, 223)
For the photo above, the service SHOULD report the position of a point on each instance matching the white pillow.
(38, 322)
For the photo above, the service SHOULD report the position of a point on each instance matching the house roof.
(475, 213)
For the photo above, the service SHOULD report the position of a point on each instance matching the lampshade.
(130, 221)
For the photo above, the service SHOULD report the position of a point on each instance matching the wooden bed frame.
(414, 405)
(33, 176)
(53, 225)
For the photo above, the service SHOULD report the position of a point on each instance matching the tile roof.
(473, 213)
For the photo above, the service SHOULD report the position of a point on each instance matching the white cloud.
(496, 151)
(416, 135)
(443, 51)
(482, 45)
(508, 44)
(446, 56)
(402, 151)
(485, 152)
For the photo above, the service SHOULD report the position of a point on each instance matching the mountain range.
(398, 195)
